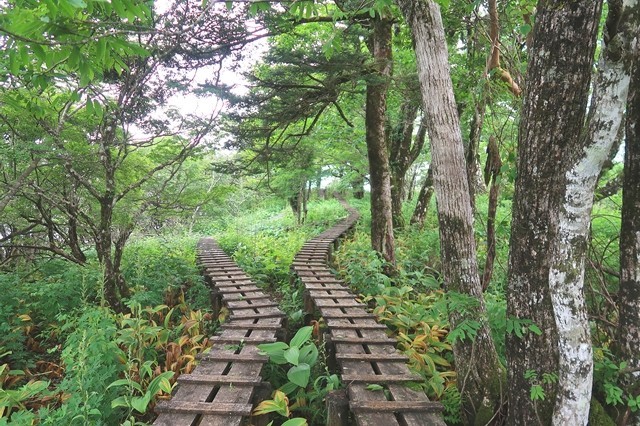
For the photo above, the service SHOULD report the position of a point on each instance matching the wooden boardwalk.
(222, 388)
(364, 354)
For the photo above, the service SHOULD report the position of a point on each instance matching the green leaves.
(302, 336)
(301, 353)
(300, 374)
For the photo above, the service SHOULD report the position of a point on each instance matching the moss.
(488, 409)
(484, 415)
(598, 416)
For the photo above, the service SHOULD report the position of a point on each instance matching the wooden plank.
(372, 357)
(204, 408)
(330, 314)
(242, 340)
(371, 326)
(340, 303)
(238, 296)
(251, 326)
(233, 357)
(396, 406)
(332, 285)
(219, 379)
(364, 340)
(245, 304)
(381, 378)
(303, 274)
(259, 315)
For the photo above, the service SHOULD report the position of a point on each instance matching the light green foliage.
(614, 381)
(93, 360)
(307, 380)
(15, 399)
(76, 36)
(421, 329)
(412, 305)
(537, 391)
(265, 240)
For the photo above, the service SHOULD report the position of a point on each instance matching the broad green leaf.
(140, 403)
(275, 351)
(292, 355)
(297, 421)
(120, 401)
(300, 374)
(309, 354)
(288, 388)
(301, 336)
(78, 4)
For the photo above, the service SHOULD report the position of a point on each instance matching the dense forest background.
(492, 148)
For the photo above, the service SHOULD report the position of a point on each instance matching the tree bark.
(491, 176)
(567, 269)
(544, 285)
(402, 153)
(424, 199)
(628, 333)
(382, 238)
(480, 375)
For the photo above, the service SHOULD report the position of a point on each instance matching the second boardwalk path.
(365, 355)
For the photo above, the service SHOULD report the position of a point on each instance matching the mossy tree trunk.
(480, 375)
(382, 238)
(559, 161)
(628, 333)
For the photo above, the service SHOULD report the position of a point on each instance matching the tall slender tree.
(480, 374)
(628, 333)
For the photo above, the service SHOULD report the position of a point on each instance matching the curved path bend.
(363, 352)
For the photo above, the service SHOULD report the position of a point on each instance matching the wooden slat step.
(341, 303)
(396, 406)
(365, 340)
(253, 305)
(189, 407)
(380, 378)
(304, 274)
(217, 379)
(251, 326)
(242, 358)
(247, 285)
(319, 286)
(232, 280)
(337, 315)
(222, 263)
(322, 294)
(237, 297)
(243, 340)
(258, 315)
(371, 357)
(372, 326)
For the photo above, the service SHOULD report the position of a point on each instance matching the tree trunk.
(544, 268)
(382, 239)
(491, 176)
(358, 188)
(401, 155)
(628, 333)
(480, 375)
(567, 270)
(424, 199)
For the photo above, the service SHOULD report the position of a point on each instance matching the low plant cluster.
(302, 379)
(67, 359)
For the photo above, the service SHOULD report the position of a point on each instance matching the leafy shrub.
(303, 380)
